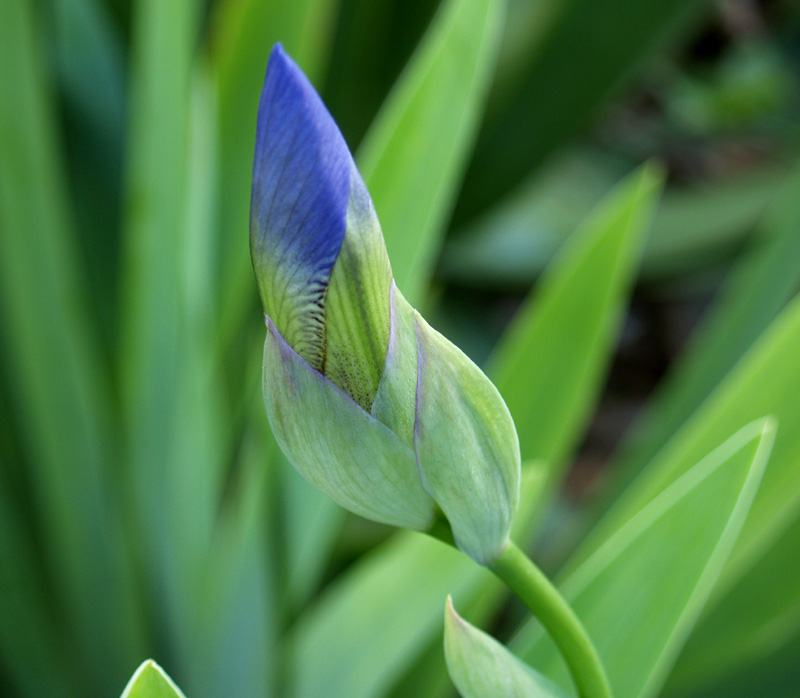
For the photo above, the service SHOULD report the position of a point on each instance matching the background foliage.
(144, 508)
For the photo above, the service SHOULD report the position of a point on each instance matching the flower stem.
(546, 603)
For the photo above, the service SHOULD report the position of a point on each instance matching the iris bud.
(366, 400)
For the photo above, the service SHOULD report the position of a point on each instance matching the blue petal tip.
(298, 216)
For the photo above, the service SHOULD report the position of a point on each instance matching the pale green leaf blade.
(752, 619)
(482, 668)
(657, 571)
(413, 156)
(353, 620)
(550, 363)
(756, 290)
(151, 681)
(765, 381)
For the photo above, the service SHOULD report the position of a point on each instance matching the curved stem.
(546, 603)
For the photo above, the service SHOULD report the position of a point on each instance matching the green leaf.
(237, 607)
(765, 381)
(413, 156)
(35, 662)
(151, 681)
(466, 446)
(482, 668)
(90, 63)
(641, 589)
(751, 620)
(776, 675)
(577, 54)
(550, 363)
(170, 398)
(756, 290)
(56, 366)
(353, 620)
(694, 227)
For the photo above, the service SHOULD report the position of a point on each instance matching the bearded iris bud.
(365, 399)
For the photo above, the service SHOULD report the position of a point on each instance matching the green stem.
(547, 604)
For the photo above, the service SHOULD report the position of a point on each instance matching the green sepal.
(466, 444)
(395, 401)
(357, 303)
(151, 681)
(482, 668)
(343, 450)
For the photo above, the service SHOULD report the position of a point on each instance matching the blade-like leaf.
(413, 156)
(482, 668)
(694, 227)
(151, 681)
(354, 620)
(579, 52)
(56, 364)
(757, 289)
(234, 655)
(776, 676)
(550, 363)
(163, 366)
(754, 618)
(90, 63)
(765, 381)
(640, 591)
(35, 661)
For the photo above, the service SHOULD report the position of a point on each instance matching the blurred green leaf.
(162, 374)
(759, 286)
(776, 676)
(578, 54)
(550, 363)
(757, 616)
(353, 621)
(236, 610)
(151, 681)
(482, 668)
(413, 156)
(34, 657)
(58, 372)
(90, 63)
(694, 227)
(765, 381)
(641, 589)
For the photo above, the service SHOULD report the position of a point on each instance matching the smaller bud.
(482, 668)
